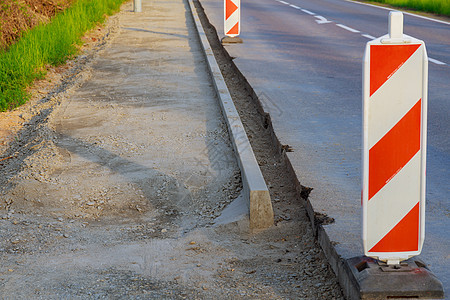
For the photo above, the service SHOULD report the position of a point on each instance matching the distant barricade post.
(232, 21)
(137, 5)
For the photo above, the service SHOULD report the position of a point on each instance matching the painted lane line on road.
(398, 9)
(435, 61)
(347, 28)
(308, 12)
(322, 20)
(368, 36)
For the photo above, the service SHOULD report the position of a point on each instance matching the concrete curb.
(255, 188)
(342, 267)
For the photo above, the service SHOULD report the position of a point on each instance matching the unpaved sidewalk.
(117, 187)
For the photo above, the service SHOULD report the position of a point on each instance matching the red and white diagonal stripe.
(394, 118)
(232, 15)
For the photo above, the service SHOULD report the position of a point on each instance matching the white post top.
(395, 25)
(395, 29)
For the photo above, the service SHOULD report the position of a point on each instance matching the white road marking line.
(322, 20)
(308, 12)
(347, 28)
(368, 36)
(398, 9)
(438, 62)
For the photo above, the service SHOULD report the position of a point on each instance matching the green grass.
(49, 44)
(440, 7)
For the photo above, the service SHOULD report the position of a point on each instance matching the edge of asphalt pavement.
(339, 258)
(255, 188)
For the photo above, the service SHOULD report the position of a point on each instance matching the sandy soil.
(118, 181)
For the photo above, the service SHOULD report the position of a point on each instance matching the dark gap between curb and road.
(253, 116)
(258, 125)
(255, 190)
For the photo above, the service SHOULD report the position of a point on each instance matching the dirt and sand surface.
(118, 180)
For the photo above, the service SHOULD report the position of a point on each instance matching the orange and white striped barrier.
(395, 80)
(232, 17)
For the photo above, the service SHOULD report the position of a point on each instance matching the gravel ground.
(121, 181)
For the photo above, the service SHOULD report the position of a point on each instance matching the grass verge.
(439, 7)
(47, 44)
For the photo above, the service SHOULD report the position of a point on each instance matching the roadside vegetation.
(49, 37)
(17, 16)
(439, 7)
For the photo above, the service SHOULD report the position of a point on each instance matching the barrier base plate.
(231, 40)
(409, 279)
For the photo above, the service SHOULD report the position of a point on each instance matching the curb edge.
(255, 188)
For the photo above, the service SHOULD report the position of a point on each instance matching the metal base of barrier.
(409, 279)
(231, 40)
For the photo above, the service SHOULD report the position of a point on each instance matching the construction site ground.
(118, 179)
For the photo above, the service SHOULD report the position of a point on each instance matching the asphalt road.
(304, 60)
